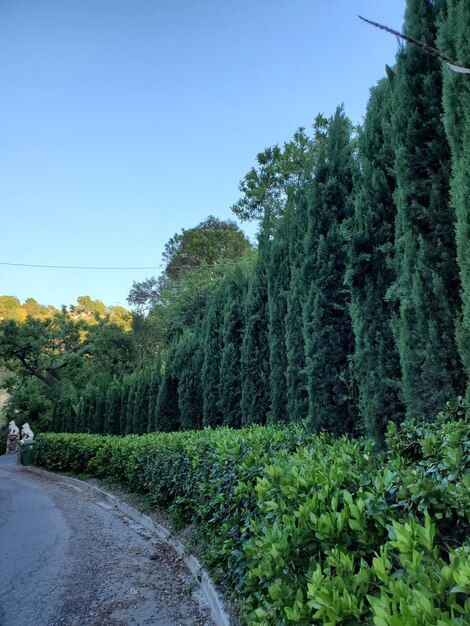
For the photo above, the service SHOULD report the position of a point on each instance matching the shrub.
(309, 529)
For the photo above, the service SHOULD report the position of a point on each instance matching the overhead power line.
(89, 267)
(80, 267)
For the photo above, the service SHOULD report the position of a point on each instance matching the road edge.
(206, 585)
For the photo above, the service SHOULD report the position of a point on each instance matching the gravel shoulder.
(114, 573)
(186, 535)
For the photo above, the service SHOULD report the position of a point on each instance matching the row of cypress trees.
(349, 318)
(357, 310)
(123, 406)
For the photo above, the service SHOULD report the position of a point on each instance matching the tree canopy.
(279, 171)
(195, 262)
(42, 349)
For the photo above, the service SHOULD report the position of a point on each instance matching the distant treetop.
(86, 309)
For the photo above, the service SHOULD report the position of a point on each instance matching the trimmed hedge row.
(305, 528)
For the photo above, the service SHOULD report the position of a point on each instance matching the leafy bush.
(306, 528)
(69, 452)
(434, 464)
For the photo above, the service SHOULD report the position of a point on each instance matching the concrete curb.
(205, 583)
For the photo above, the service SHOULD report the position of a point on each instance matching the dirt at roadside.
(118, 573)
(185, 535)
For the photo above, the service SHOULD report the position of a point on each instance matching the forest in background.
(352, 311)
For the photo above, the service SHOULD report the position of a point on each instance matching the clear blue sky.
(124, 121)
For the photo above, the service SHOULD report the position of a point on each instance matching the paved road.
(32, 529)
(66, 559)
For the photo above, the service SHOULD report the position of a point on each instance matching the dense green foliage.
(352, 317)
(266, 188)
(230, 388)
(212, 350)
(195, 263)
(278, 286)
(426, 282)
(310, 529)
(254, 358)
(371, 273)
(353, 311)
(327, 324)
(296, 379)
(455, 41)
(12, 309)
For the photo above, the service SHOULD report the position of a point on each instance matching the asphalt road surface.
(66, 559)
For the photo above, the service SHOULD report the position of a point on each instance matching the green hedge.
(309, 529)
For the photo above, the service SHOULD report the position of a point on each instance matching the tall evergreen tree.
(112, 413)
(455, 42)
(190, 360)
(141, 403)
(90, 408)
(71, 418)
(155, 380)
(279, 276)
(70, 404)
(125, 389)
(80, 424)
(98, 419)
(99, 393)
(297, 213)
(370, 271)
(57, 418)
(254, 358)
(296, 369)
(167, 414)
(212, 326)
(327, 325)
(130, 405)
(427, 286)
(233, 293)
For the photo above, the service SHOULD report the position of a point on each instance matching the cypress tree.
(75, 411)
(90, 409)
(125, 389)
(130, 405)
(155, 380)
(112, 411)
(70, 409)
(233, 292)
(138, 401)
(427, 277)
(146, 407)
(109, 401)
(141, 403)
(212, 324)
(190, 358)
(370, 271)
(455, 42)
(56, 423)
(99, 407)
(254, 357)
(61, 403)
(296, 217)
(296, 373)
(80, 424)
(278, 273)
(64, 422)
(327, 325)
(167, 414)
